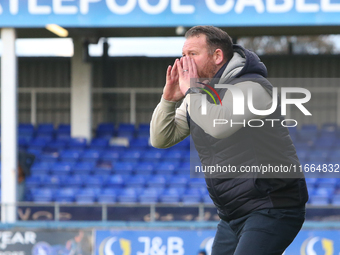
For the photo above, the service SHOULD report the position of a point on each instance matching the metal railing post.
(33, 107)
(133, 107)
(201, 212)
(152, 213)
(56, 211)
(104, 212)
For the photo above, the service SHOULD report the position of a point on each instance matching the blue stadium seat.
(153, 155)
(38, 144)
(150, 195)
(192, 196)
(188, 155)
(334, 160)
(86, 196)
(48, 157)
(197, 183)
(128, 196)
(107, 196)
(117, 148)
(173, 155)
(310, 189)
(326, 183)
(144, 168)
(103, 168)
(110, 191)
(112, 156)
(63, 137)
(323, 143)
(303, 153)
(140, 143)
(70, 156)
(329, 129)
(156, 181)
(57, 145)
(307, 132)
(94, 181)
(324, 192)
(319, 200)
(42, 195)
(143, 130)
(83, 168)
(327, 135)
(26, 129)
(183, 168)
(292, 130)
(35, 181)
(77, 143)
(309, 127)
(166, 168)
(105, 130)
(73, 181)
(302, 145)
(318, 156)
(43, 136)
(183, 145)
(40, 168)
(336, 200)
(311, 181)
(64, 129)
(179, 181)
(90, 156)
(65, 195)
(206, 199)
(52, 182)
(126, 130)
(116, 181)
(99, 143)
(61, 168)
(171, 196)
(335, 153)
(45, 128)
(131, 156)
(23, 142)
(136, 181)
(123, 168)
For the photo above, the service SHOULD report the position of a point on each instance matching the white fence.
(324, 105)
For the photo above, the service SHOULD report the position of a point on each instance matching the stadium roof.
(124, 18)
(171, 31)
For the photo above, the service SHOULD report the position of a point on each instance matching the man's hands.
(186, 70)
(171, 91)
(178, 79)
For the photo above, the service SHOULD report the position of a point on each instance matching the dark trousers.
(262, 232)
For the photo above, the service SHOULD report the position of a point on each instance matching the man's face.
(196, 48)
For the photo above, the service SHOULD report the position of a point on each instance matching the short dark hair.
(216, 39)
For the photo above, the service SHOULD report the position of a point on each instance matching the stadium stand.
(75, 170)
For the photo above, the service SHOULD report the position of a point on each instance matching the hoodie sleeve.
(219, 121)
(168, 125)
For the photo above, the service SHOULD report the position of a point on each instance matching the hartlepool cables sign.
(155, 13)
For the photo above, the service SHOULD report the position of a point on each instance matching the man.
(259, 216)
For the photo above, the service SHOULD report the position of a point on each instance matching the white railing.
(134, 91)
(131, 91)
(56, 211)
(53, 211)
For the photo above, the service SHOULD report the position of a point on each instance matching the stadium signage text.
(70, 7)
(11, 238)
(94, 13)
(238, 100)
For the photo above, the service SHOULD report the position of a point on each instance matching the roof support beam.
(9, 116)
